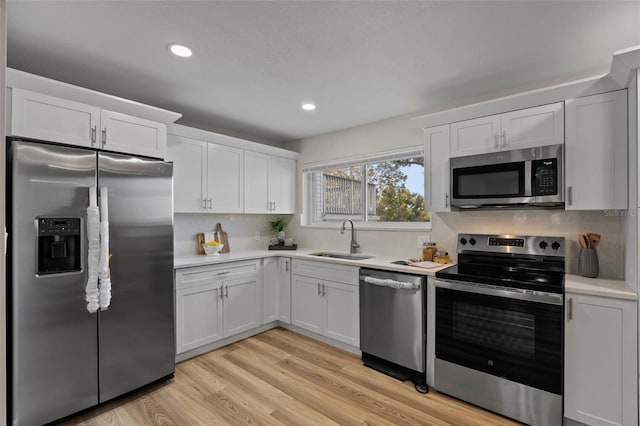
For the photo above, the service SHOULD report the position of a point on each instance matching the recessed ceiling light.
(308, 107)
(180, 50)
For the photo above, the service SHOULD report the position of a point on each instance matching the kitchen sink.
(341, 255)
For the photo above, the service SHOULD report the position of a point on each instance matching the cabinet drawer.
(326, 271)
(203, 275)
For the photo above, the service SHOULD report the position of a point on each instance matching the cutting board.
(222, 238)
(200, 239)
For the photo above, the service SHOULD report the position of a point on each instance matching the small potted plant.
(278, 226)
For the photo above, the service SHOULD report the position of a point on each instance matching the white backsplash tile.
(241, 230)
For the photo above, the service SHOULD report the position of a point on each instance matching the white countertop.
(377, 262)
(617, 289)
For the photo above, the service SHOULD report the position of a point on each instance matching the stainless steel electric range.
(499, 326)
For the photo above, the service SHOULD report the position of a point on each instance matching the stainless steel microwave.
(530, 177)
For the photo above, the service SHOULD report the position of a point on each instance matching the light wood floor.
(280, 377)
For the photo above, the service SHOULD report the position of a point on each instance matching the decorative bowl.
(212, 250)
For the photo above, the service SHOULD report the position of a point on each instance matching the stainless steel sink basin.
(341, 255)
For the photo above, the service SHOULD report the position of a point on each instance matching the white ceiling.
(255, 62)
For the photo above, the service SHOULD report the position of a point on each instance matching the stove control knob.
(463, 241)
(555, 245)
(543, 245)
(472, 241)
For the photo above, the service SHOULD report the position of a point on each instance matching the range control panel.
(506, 243)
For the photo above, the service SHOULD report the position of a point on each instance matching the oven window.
(510, 332)
(515, 339)
(491, 181)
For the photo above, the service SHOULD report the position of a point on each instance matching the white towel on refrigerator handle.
(103, 266)
(92, 296)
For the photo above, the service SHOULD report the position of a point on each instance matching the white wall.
(403, 132)
(3, 344)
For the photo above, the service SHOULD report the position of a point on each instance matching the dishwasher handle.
(386, 282)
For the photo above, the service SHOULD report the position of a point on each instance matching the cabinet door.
(241, 304)
(256, 183)
(306, 303)
(132, 135)
(596, 152)
(198, 316)
(284, 290)
(38, 116)
(341, 312)
(437, 144)
(282, 178)
(476, 136)
(225, 179)
(189, 158)
(600, 370)
(531, 127)
(270, 278)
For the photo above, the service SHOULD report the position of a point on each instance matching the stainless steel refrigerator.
(64, 359)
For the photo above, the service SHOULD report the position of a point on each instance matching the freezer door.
(53, 358)
(137, 344)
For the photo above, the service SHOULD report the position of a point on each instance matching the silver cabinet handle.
(570, 195)
(223, 273)
(323, 289)
(274, 205)
(93, 135)
(104, 136)
(222, 291)
(504, 139)
(286, 266)
(210, 203)
(570, 309)
(446, 199)
(204, 203)
(496, 140)
(226, 291)
(319, 293)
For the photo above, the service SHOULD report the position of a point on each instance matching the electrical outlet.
(423, 238)
(555, 218)
(257, 236)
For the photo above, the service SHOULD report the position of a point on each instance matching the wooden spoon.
(594, 240)
(584, 241)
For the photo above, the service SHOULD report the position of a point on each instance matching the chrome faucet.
(354, 245)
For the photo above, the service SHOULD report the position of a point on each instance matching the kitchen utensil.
(222, 238)
(584, 241)
(588, 263)
(200, 238)
(594, 240)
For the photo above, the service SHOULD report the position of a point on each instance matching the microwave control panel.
(544, 177)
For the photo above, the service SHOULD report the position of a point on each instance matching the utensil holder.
(588, 263)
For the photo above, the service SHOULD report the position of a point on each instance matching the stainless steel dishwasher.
(393, 324)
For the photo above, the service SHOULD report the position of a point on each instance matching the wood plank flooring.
(282, 378)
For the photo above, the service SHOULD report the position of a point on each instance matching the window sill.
(407, 227)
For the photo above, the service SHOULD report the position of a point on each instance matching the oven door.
(516, 335)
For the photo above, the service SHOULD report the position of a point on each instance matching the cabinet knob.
(570, 309)
(93, 135)
(104, 136)
(570, 195)
(446, 199)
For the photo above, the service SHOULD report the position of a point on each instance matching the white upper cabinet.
(437, 144)
(38, 116)
(206, 177)
(133, 135)
(224, 179)
(475, 136)
(189, 158)
(596, 152)
(526, 128)
(269, 184)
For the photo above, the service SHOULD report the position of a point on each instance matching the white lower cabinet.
(276, 290)
(213, 302)
(284, 290)
(600, 371)
(325, 300)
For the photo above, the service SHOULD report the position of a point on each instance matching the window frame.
(309, 187)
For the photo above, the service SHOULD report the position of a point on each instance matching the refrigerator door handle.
(92, 294)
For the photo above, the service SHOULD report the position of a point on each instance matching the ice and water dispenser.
(59, 245)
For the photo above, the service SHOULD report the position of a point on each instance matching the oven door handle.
(520, 294)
